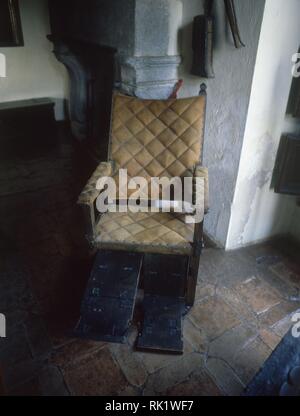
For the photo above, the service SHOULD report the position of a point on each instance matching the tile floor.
(243, 307)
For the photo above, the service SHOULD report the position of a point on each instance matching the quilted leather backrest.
(157, 137)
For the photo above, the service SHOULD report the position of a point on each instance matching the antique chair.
(149, 138)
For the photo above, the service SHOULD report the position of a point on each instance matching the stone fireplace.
(91, 69)
(130, 45)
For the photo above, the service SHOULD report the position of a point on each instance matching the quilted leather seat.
(145, 232)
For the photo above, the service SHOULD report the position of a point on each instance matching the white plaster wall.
(228, 98)
(32, 70)
(257, 213)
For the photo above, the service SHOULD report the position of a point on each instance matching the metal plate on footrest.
(162, 325)
(107, 307)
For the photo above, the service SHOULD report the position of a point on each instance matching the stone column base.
(149, 77)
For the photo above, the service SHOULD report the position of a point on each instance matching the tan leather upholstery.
(156, 138)
(90, 192)
(150, 138)
(145, 232)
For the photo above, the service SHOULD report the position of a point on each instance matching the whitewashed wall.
(257, 213)
(32, 70)
(228, 98)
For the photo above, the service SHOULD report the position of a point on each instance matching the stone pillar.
(152, 70)
(149, 76)
(144, 35)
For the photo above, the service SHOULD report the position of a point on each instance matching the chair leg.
(194, 265)
(192, 280)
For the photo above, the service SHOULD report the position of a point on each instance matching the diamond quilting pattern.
(157, 230)
(156, 137)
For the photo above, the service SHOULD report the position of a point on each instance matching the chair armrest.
(90, 192)
(88, 196)
(202, 172)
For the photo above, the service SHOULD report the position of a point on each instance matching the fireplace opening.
(91, 68)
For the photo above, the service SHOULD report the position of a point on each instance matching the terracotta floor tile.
(232, 298)
(195, 336)
(203, 291)
(131, 366)
(96, 375)
(227, 345)
(214, 317)
(72, 352)
(287, 274)
(277, 313)
(227, 380)
(269, 338)
(199, 384)
(282, 327)
(250, 359)
(166, 378)
(155, 361)
(259, 295)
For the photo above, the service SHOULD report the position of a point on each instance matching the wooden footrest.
(164, 303)
(162, 325)
(108, 304)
